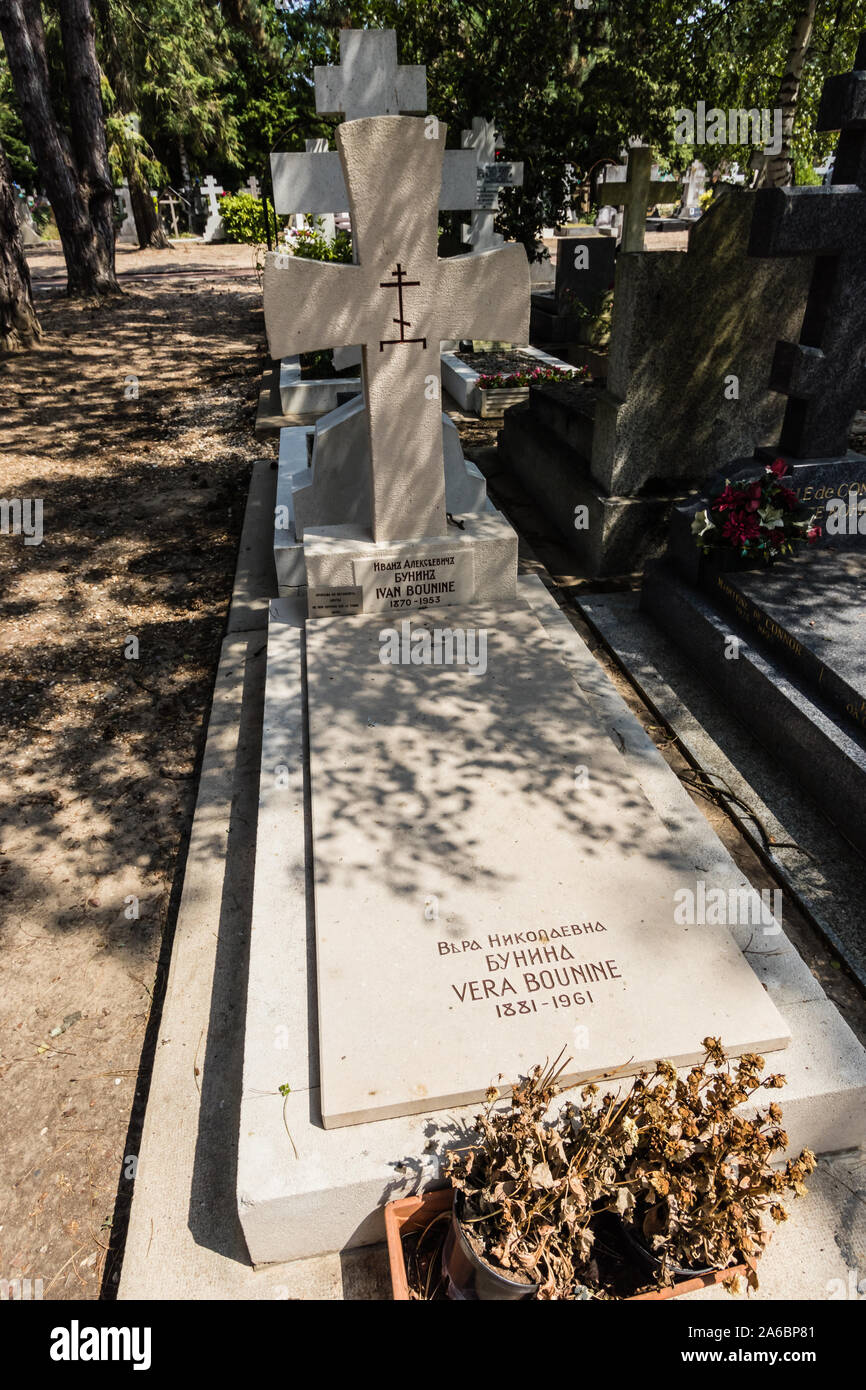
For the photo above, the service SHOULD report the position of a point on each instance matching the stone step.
(808, 611)
(821, 747)
(619, 533)
(568, 410)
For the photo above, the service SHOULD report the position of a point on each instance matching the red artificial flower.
(812, 534)
(730, 498)
(786, 498)
(779, 467)
(741, 527)
(754, 496)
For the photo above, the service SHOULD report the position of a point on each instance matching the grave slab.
(554, 907)
(460, 378)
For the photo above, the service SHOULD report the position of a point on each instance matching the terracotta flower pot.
(415, 1214)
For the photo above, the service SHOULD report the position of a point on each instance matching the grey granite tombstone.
(823, 370)
(796, 628)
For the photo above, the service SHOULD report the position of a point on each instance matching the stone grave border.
(461, 381)
(314, 395)
(325, 1189)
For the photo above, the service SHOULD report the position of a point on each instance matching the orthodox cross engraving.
(401, 323)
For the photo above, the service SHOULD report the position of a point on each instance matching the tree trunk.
(778, 171)
(24, 37)
(87, 120)
(147, 223)
(19, 326)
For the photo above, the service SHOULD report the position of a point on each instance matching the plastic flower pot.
(468, 1277)
(647, 1259)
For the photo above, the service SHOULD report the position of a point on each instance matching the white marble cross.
(253, 187)
(369, 81)
(214, 230)
(490, 177)
(211, 188)
(636, 195)
(399, 301)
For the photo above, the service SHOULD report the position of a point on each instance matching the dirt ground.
(133, 423)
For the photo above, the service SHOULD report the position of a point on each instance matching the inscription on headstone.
(340, 601)
(420, 578)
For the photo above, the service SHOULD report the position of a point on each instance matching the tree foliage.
(217, 86)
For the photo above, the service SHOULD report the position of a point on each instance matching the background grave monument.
(692, 339)
(126, 231)
(29, 234)
(635, 193)
(799, 625)
(491, 176)
(213, 230)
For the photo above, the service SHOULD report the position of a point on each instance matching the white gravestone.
(398, 301)
(253, 187)
(301, 220)
(476, 908)
(491, 178)
(126, 231)
(214, 230)
(369, 82)
(29, 234)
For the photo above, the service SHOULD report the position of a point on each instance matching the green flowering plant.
(758, 516)
(243, 218)
(311, 244)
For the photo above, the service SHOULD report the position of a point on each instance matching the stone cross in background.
(369, 81)
(29, 234)
(637, 195)
(253, 187)
(214, 228)
(824, 374)
(491, 177)
(126, 231)
(399, 300)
